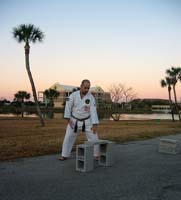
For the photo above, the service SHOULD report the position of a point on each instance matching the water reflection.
(146, 116)
(51, 115)
(17, 115)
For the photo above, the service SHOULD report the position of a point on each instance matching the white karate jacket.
(81, 108)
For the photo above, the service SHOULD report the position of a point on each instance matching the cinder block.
(95, 143)
(106, 157)
(84, 158)
(169, 146)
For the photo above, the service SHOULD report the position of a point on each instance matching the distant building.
(161, 108)
(152, 101)
(66, 90)
(154, 105)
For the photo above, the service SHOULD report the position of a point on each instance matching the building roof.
(70, 88)
(96, 89)
(61, 87)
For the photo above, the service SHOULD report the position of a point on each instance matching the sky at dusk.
(131, 42)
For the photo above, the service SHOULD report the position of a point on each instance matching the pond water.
(14, 115)
(147, 116)
(122, 116)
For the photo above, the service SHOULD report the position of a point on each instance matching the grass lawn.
(25, 137)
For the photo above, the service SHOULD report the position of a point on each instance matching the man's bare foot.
(62, 158)
(96, 158)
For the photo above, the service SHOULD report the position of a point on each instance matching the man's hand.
(94, 128)
(71, 124)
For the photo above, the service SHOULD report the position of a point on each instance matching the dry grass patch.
(135, 130)
(25, 137)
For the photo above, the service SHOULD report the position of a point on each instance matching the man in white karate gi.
(81, 114)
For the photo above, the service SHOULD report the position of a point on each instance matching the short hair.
(85, 80)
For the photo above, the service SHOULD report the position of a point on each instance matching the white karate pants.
(70, 137)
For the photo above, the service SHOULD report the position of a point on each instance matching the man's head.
(85, 86)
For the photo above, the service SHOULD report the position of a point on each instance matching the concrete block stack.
(84, 158)
(85, 155)
(106, 157)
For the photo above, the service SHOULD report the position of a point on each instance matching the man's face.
(85, 88)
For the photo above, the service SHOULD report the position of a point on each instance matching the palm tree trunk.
(171, 105)
(176, 104)
(27, 49)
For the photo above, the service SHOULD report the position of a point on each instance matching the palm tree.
(174, 74)
(51, 94)
(29, 33)
(20, 96)
(167, 83)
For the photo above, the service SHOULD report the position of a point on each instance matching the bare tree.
(129, 94)
(119, 93)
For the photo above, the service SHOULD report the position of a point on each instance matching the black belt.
(81, 120)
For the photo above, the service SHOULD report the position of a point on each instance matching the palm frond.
(28, 33)
(18, 34)
(174, 72)
(37, 35)
(169, 72)
(168, 80)
(163, 83)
